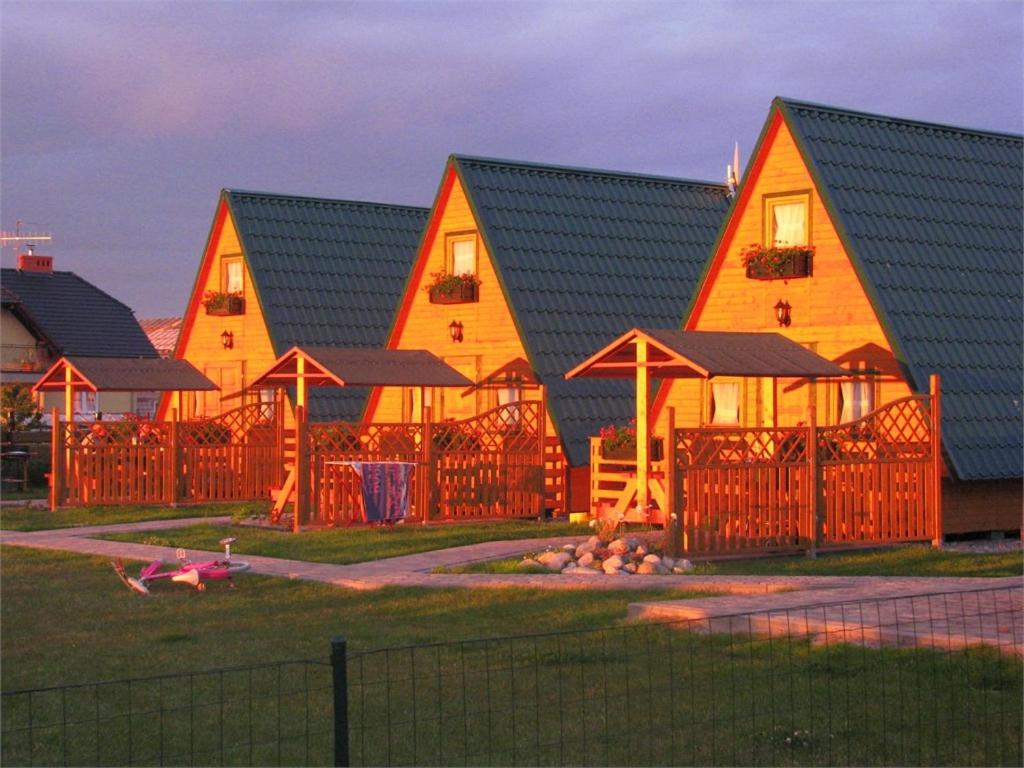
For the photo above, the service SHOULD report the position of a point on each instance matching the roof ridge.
(626, 175)
(335, 201)
(800, 104)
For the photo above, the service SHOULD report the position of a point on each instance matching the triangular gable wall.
(831, 310)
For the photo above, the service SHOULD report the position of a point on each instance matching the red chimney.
(29, 262)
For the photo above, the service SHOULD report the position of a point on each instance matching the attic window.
(231, 275)
(462, 254)
(787, 219)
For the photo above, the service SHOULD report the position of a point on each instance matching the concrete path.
(872, 610)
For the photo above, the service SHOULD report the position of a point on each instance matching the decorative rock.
(570, 568)
(554, 561)
(570, 548)
(630, 568)
(585, 559)
(633, 543)
(686, 565)
(651, 558)
(529, 564)
(619, 547)
(660, 569)
(612, 564)
(587, 547)
(646, 568)
(641, 550)
(668, 562)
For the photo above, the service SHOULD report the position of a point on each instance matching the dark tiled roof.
(583, 256)
(112, 374)
(327, 273)
(932, 218)
(76, 316)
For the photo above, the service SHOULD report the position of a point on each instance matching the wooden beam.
(643, 433)
(300, 382)
(935, 388)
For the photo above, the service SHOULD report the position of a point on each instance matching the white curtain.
(858, 400)
(726, 398)
(789, 224)
(463, 257)
(507, 396)
(234, 277)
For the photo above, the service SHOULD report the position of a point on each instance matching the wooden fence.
(489, 466)
(735, 490)
(233, 457)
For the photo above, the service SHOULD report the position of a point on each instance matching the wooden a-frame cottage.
(280, 271)
(894, 248)
(558, 259)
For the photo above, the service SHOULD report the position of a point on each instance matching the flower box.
(463, 293)
(226, 305)
(778, 263)
(628, 452)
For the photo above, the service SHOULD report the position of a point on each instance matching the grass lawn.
(34, 492)
(350, 545)
(65, 618)
(26, 519)
(617, 693)
(897, 561)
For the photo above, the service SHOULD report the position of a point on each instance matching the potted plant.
(223, 303)
(777, 262)
(446, 288)
(619, 442)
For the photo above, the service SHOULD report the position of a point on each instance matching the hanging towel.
(385, 489)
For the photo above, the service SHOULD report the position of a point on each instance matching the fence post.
(542, 429)
(935, 390)
(173, 489)
(56, 460)
(425, 471)
(813, 480)
(301, 468)
(673, 526)
(339, 667)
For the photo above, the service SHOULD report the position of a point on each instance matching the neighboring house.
(48, 314)
(293, 271)
(566, 259)
(163, 333)
(917, 236)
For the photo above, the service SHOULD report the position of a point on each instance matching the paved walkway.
(872, 610)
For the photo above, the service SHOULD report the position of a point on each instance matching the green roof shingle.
(932, 218)
(583, 256)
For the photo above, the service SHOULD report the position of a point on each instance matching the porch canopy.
(119, 374)
(342, 367)
(674, 354)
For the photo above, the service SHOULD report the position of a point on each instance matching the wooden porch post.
(935, 390)
(541, 440)
(301, 466)
(643, 433)
(173, 489)
(300, 382)
(69, 413)
(56, 460)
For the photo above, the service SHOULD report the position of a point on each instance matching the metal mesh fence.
(274, 714)
(932, 680)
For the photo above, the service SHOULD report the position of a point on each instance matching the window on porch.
(856, 398)
(725, 403)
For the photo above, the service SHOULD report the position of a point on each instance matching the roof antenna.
(732, 171)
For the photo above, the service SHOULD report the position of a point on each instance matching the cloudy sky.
(120, 122)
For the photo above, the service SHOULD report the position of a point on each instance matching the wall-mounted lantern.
(455, 331)
(782, 313)
(227, 340)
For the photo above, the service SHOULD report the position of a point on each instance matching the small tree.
(19, 410)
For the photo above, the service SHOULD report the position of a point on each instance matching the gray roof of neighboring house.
(76, 317)
(327, 273)
(584, 255)
(933, 221)
(162, 332)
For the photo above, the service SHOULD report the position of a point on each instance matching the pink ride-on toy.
(187, 572)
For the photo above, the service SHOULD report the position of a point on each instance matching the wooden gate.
(488, 466)
(872, 481)
(234, 457)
